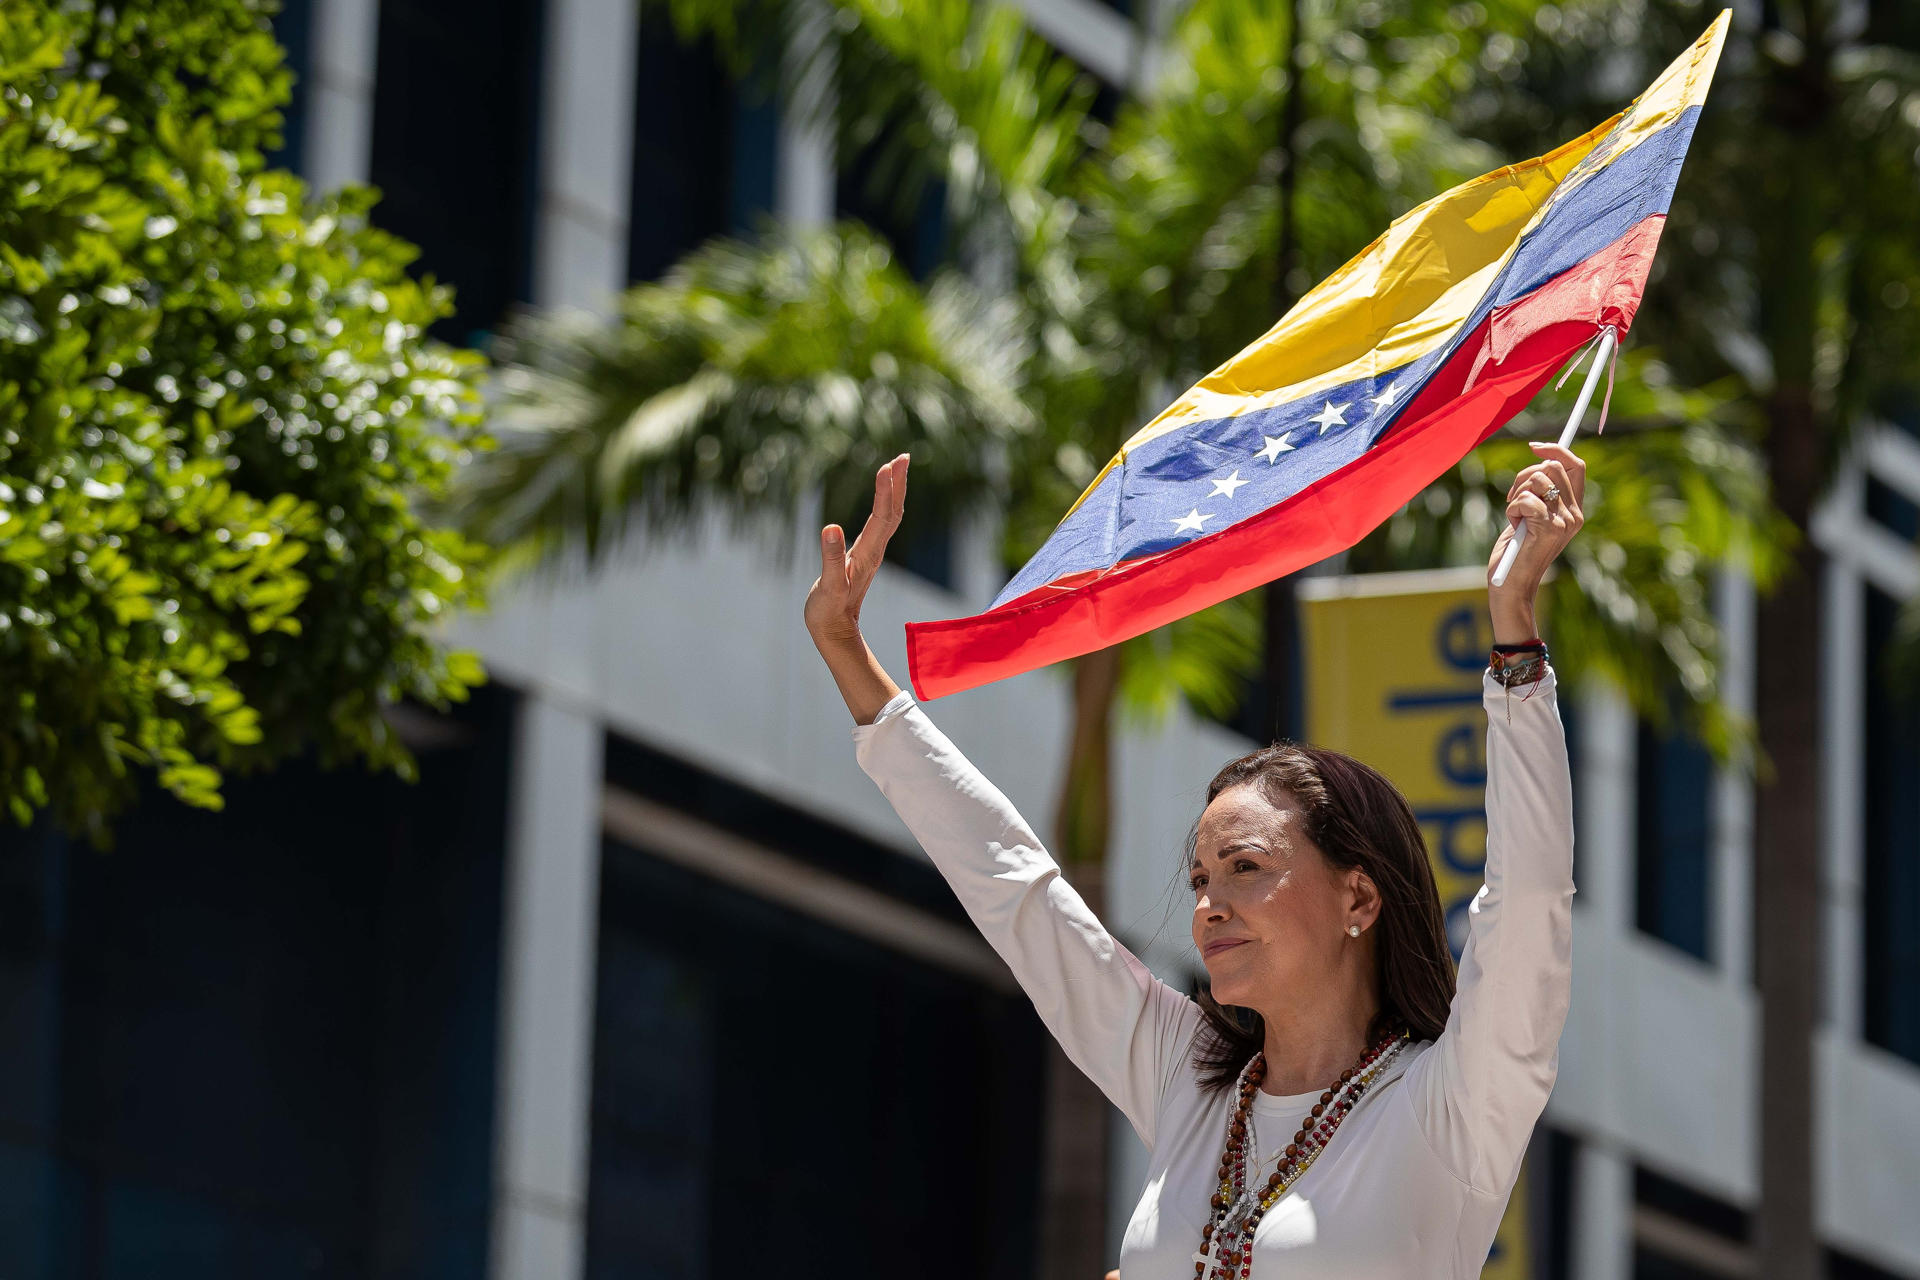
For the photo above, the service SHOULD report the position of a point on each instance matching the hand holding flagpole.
(1603, 354)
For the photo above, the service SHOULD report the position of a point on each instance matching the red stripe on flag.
(1506, 360)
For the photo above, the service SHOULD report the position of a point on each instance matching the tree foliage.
(217, 411)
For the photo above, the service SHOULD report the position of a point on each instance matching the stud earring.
(1353, 930)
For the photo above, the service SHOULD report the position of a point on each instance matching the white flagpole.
(1601, 353)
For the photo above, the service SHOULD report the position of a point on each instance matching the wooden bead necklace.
(1227, 1240)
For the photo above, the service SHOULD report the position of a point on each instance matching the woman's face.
(1269, 911)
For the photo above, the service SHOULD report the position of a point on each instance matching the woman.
(1349, 1112)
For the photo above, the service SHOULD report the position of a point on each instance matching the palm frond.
(756, 376)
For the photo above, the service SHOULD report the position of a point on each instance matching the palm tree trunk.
(1787, 843)
(1787, 859)
(1073, 1225)
(1281, 716)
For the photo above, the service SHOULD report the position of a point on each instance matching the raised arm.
(1480, 1090)
(1118, 1023)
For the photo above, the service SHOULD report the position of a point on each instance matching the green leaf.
(197, 573)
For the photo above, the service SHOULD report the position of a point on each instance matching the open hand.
(833, 602)
(1548, 497)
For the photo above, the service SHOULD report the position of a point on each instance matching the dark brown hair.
(1356, 818)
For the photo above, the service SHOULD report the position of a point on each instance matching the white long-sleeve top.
(1416, 1178)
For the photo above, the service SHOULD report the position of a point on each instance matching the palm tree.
(1109, 263)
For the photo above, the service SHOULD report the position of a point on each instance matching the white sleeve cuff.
(896, 705)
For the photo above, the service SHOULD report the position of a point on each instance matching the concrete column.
(547, 990)
(1602, 1214)
(340, 92)
(586, 147)
(1732, 924)
(803, 178)
(1842, 730)
(1843, 713)
(1604, 853)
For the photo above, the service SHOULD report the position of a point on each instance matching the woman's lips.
(1218, 945)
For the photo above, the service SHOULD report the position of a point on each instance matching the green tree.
(217, 411)
(1113, 263)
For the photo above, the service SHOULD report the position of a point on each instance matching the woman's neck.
(1308, 1046)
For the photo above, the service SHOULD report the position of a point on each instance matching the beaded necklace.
(1227, 1240)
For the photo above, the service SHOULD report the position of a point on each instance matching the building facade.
(645, 978)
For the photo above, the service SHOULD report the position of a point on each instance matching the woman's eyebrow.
(1237, 846)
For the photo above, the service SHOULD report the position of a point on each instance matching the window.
(1892, 509)
(875, 186)
(899, 1066)
(1891, 901)
(1554, 1197)
(1842, 1266)
(293, 28)
(703, 150)
(1684, 1234)
(1680, 1201)
(1674, 837)
(260, 1042)
(456, 127)
(1650, 1264)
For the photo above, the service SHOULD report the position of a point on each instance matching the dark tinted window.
(259, 1043)
(456, 126)
(901, 1108)
(1674, 845)
(898, 1109)
(1892, 508)
(1559, 1151)
(909, 210)
(1650, 1265)
(293, 28)
(1891, 903)
(1841, 1266)
(1678, 1200)
(703, 150)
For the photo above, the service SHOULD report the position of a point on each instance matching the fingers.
(1571, 464)
(1531, 507)
(833, 560)
(889, 507)
(1545, 478)
(1554, 490)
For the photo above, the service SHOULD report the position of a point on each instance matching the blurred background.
(437, 849)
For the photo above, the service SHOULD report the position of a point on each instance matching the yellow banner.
(1392, 677)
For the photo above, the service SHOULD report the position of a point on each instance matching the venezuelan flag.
(1381, 378)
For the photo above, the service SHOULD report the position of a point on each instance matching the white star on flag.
(1274, 448)
(1331, 416)
(1192, 522)
(1225, 488)
(1386, 398)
